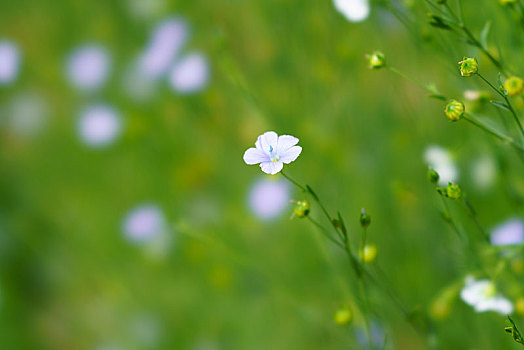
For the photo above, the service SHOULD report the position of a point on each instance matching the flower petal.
(271, 168)
(266, 140)
(291, 154)
(255, 156)
(285, 142)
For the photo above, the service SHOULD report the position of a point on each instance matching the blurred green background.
(218, 274)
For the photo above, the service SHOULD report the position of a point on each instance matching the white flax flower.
(273, 151)
(482, 295)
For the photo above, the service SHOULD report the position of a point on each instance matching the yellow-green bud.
(468, 67)
(507, 2)
(302, 209)
(433, 176)
(343, 316)
(365, 219)
(376, 60)
(513, 86)
(453, 191)
(368, 254)
(454, 110)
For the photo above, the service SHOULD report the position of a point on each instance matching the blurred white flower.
(99, 125)
(88, 66)
(483, 296)
(484, 172)
(267, 198)
(9, 62)
(508, 233)
(273, 151)
(144, 223)
(439, 159)
(189, 74)
(167, 40)
(353, 10)
(27, 114)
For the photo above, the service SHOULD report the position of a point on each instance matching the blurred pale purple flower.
(167, 40)
(99, 125)
(267, 198)
(483, 296)
(273, 151)
(144, 223)
(508, 233)
(88, 67)
(353, 10)
(439, 159)
(189, 74)
(9, 62)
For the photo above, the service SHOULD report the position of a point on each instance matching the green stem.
(324, 231)
(494, 132)
(473, 215)
(413, 80)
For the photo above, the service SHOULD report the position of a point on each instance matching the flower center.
(273, 154)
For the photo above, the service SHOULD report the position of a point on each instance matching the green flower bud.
(343, 316)
(433, 176)
(365, 219)
(376, 60)
(468, 67)
(302, 209)
(507, 2)
(454, 110)
(453, 191)
(514, 86)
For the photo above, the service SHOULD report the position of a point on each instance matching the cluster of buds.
(454, 110)
(468, 66)
(376, 60)
(452, 191)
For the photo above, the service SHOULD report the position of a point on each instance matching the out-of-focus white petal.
(353, 10)
(508, 233)
(271, 168)
(255, 156)
(291, 154)
(439, 159)
(9, 62)
(165, 43)
(285, 142)
(88, 67)
(268, 198)
(498, 304)
(143, 223)
(473, 292)
(190, 74)
(99, 125)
